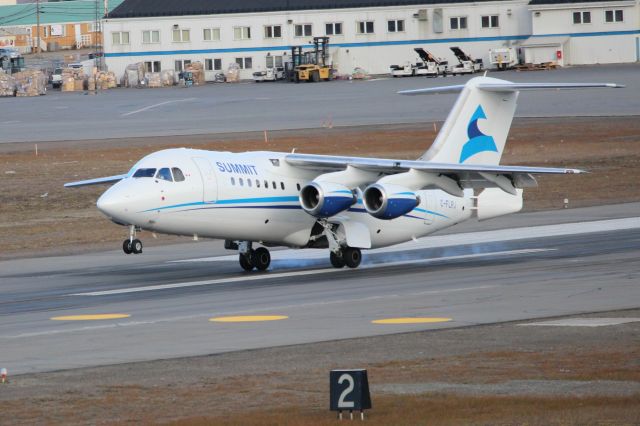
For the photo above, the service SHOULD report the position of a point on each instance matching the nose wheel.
(132, 245)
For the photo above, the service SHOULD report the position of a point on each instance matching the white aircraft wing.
(96, 181)
(465, 175)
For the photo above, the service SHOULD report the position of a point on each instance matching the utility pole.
(38, 26)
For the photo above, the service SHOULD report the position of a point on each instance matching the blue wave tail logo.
(478, 142)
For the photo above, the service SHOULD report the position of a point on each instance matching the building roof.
(535, 2)
(53, 12)
(149, 8)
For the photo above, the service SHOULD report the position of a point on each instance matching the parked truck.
(430, 65)
(466, 64)
(503, 58)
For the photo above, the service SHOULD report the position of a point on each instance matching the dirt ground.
(40, 217)
(513, 375)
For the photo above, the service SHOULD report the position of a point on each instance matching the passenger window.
(241, 181)
(266, 185)
(164, 174)
(274, 184)
(282, 185)
(178, 176)
(140, 173)
(257, 183)
(233, 181)
(249, 183)
(298, 186)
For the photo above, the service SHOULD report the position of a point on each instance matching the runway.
(521, 267)
(228, 108)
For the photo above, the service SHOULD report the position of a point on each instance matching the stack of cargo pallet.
(7, 84)
(30, 83)
(133, 75)
(73, 79)
(233, 73)
(154, 80)
(197, 69)
(168, 77)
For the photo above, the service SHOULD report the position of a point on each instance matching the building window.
(244, 63)
(613, 15)
(395, 26)
(458, 22)
(120, 37)
(152, 66)
(581, 17)
(241, 33)
(490, 21)
(213, 64)
(365, 27)
(151, 36)
(333, 28)
(211, 34)
(273, 31)
(181, 36)
(181, 64)
(303, 30)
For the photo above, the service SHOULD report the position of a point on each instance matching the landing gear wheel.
(352, 257)
(337, 261)
(245, 262)
(126, 246)
(261, 258)
(136, 246)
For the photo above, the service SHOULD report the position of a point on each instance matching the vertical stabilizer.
(476, 129)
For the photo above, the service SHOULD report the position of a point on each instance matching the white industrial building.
(371, 34)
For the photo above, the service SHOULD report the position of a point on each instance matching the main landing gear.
(349, 256)
(259, 258)
(132, 244)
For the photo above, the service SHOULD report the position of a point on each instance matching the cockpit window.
(140, 173)
(164, 174)
(178, 176)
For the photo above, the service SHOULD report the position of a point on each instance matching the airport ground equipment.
(503, 58)
(466, 64)
(405, 70)
(312, 66)
(349, 391)
(430, 65)
(273, 71)
(11, 60)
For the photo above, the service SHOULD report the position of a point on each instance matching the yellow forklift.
(311, 66)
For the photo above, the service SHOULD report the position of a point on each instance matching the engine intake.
(326, 199)
(389, 201)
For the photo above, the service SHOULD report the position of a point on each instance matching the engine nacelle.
(389, 201)
(326, 199)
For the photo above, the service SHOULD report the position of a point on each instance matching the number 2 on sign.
(341, 402)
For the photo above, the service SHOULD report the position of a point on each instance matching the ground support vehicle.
(430, 65)
(274, 70)
(503, 58)
(406, 70)
(312, 66)
(466, 64)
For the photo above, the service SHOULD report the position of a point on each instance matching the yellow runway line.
(249, 318)
(409, 320)
(94, 317)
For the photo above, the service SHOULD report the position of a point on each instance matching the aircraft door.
(209, 182)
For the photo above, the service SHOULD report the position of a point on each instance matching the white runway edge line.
(156, 105)
(510, 234)
(268, 276)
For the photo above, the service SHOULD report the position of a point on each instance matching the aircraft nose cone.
(111, 204)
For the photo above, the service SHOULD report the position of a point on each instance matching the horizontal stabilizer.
(96, 181)
(509, 87)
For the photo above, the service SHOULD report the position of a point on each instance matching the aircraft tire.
(126, 246)
(261, 258)
(352, 257)
(245, 262)
(136, 246)
(337, 261)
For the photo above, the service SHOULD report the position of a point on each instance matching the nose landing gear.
(132, 244)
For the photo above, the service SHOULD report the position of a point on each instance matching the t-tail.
(476, 130)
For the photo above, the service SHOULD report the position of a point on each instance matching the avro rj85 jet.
(345, 204)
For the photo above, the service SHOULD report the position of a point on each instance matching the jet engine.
(326, 199)
(389, 201)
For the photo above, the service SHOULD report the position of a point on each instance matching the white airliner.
(342, 203)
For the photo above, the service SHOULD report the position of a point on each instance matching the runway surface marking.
(267, 276)
(264, 309)
(409, 320)
(126, 114)
(92, 317)
(510, 234)
(583, 322)
(249, 318)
